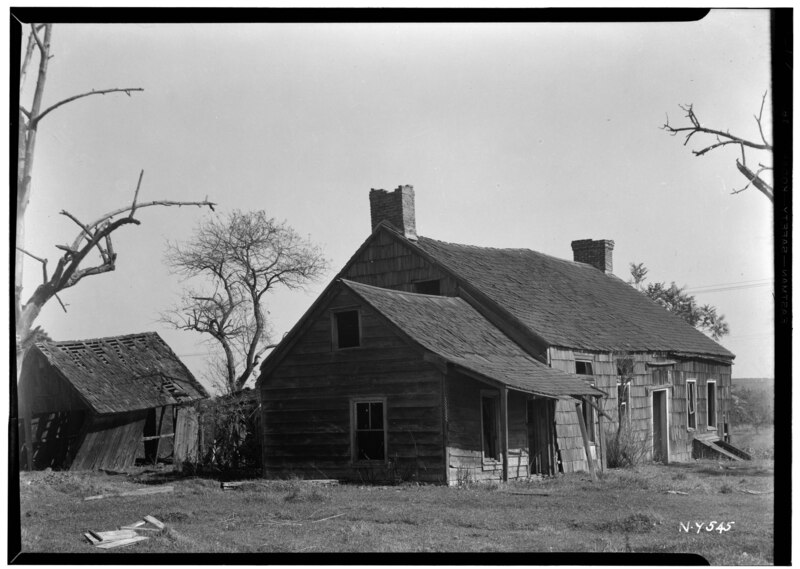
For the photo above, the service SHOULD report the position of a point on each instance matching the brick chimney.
(396, 207)
(594, 252)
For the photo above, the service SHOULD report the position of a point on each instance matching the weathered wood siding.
(44, 388)
(465, 439)
(187, 429)
(110, 441)
(55, 438)
(568, 432)
(649, 375)
(306, 403)
(389, 264)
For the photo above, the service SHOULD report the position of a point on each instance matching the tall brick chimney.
(396, 207)
(594, 252)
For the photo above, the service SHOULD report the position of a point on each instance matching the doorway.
(660, 427)
(541, 436)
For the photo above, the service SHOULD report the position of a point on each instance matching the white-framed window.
(711, 403)
(346, 328)
(691, 404)
(369, 426)
(490, 425)
(623, 401)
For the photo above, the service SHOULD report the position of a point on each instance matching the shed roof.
(570, 304)
(123, 373)
(450, 328)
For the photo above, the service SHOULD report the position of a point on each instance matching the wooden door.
(660, 426)
(541, 436)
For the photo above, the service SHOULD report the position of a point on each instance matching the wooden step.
(703, 448)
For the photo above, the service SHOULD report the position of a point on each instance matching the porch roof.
(450, 328)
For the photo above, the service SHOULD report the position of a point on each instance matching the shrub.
(231, 431)
(625, 448)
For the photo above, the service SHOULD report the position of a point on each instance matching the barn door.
(660, 427)
(541, 413)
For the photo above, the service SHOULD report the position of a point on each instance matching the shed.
(101, 403)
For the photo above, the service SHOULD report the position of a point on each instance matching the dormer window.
(346, 329)
(428, 287)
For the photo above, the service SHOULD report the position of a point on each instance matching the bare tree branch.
(753, 178)
(725, 138)
(244, 256)
(127, 90)
(136, 194)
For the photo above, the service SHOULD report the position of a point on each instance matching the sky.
(513, 135)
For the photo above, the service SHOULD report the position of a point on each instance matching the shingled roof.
(453, 330)
(569, 304)
(123, 373)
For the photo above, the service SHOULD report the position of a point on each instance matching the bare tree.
(241, 257)
(725, 138)
(93, 236)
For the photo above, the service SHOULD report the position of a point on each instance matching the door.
(541, 436)
(660, 427)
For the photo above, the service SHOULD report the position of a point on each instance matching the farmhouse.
(448, 362)
(104, 402)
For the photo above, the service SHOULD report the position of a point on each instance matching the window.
(583, 368)
(490, 427)
(623, 400)
(427, 287)
(369, 430)
(691, 403)
(346, 329)
(711, 404)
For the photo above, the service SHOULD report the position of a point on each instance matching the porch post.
(601, 438)
(585, 436)
(504, 430)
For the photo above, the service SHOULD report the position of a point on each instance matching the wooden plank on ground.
(91, 539)
(121, 542)
(154, 521)
(113, 535)
(140, 492)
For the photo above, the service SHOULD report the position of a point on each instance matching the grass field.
(623, 511)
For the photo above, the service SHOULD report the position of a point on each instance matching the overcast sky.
(513, 135)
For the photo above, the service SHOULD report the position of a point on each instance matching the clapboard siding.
(307, 398)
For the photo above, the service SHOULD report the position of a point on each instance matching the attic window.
(583, 368)
(428, 287)
(346, 329)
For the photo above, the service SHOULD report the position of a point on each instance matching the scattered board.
(121, 542)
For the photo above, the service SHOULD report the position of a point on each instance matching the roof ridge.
(100, 339)
(513, 249)
(356, 285)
